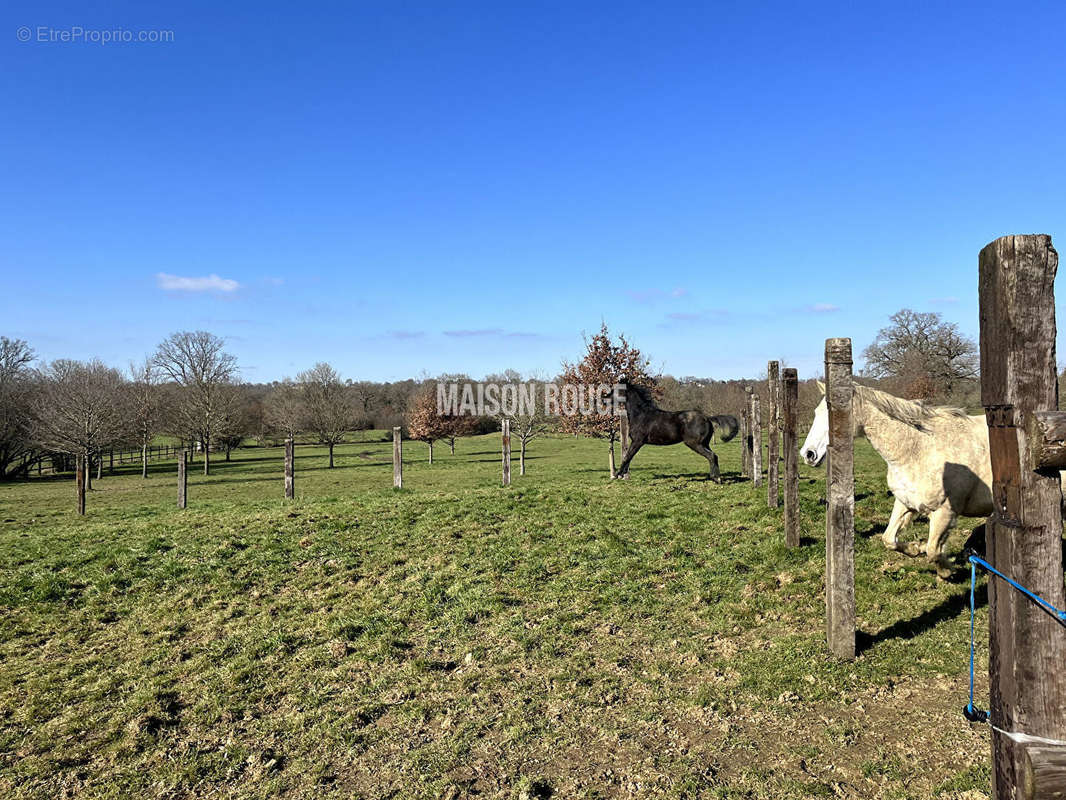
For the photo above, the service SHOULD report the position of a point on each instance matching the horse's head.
(817, 442)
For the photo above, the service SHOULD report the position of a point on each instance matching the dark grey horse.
(649, 424)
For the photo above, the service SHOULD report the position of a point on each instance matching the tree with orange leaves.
(606, 362)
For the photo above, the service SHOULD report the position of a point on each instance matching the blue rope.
(970, 712)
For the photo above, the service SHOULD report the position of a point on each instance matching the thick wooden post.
(397, 458)
(290, 468)
(1027, 683)
(623, 432)
(79, 483)
(506, 427)
(183, 479)
(756, 440)
(789, 404)
(840, 495)
(773, 426)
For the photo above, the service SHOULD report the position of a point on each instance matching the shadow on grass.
(910, 628)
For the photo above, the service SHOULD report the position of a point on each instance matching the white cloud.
(178, 283)
(942, 301)
(823, 308)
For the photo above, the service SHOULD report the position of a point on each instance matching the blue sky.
(400, 188)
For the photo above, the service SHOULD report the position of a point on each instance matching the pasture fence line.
(183, 479)
(397, 458)
(290, 469)
(1027, 681)
(789, 402)
(505, 430)
(773, 388)
(840, 498)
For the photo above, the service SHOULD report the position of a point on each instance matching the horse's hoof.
(911, 549)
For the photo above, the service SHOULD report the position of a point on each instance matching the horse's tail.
(725, 425)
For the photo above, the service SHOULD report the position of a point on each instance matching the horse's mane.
(643, 393)
(914, 413)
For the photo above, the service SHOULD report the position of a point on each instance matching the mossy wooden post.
(773, 428)
(745, 441)
(79, 483)
(290, 469)
(397, 458)
(756, 439)
(840, 496)
(183, 479)
(789, 403)
(506, 430)
(1027, 683)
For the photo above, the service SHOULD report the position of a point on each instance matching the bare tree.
(147, 401)
(527, 424)
(284, 410)
(922, 353)
(81, 408)
(237, 420)
(327, 405)
(526, 413)
(205, 372)
(17, 449)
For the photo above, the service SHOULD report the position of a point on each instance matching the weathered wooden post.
(79, 483)
(623, 432)
(773, 426)
(840, 496)
(290, 468)
(183, 479)
(397, 458)
(756, 439)
(790, 401)
(506, 429)
(1027, 683)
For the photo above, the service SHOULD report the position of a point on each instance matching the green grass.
(567, 636)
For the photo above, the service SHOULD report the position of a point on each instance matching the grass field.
(567, 636)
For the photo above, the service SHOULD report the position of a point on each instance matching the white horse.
(938, 463)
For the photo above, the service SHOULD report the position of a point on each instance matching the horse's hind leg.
(941, 522)
(900, 519)
(712, 459)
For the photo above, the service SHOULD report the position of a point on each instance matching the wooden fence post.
(79, 483)
(773, 426)
(623, 432)
(397, 458)
(290, 468)
(840, 496)
(1027, 684)
(183, 479)
(506, 430)
(790, 401)
(756, 440)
